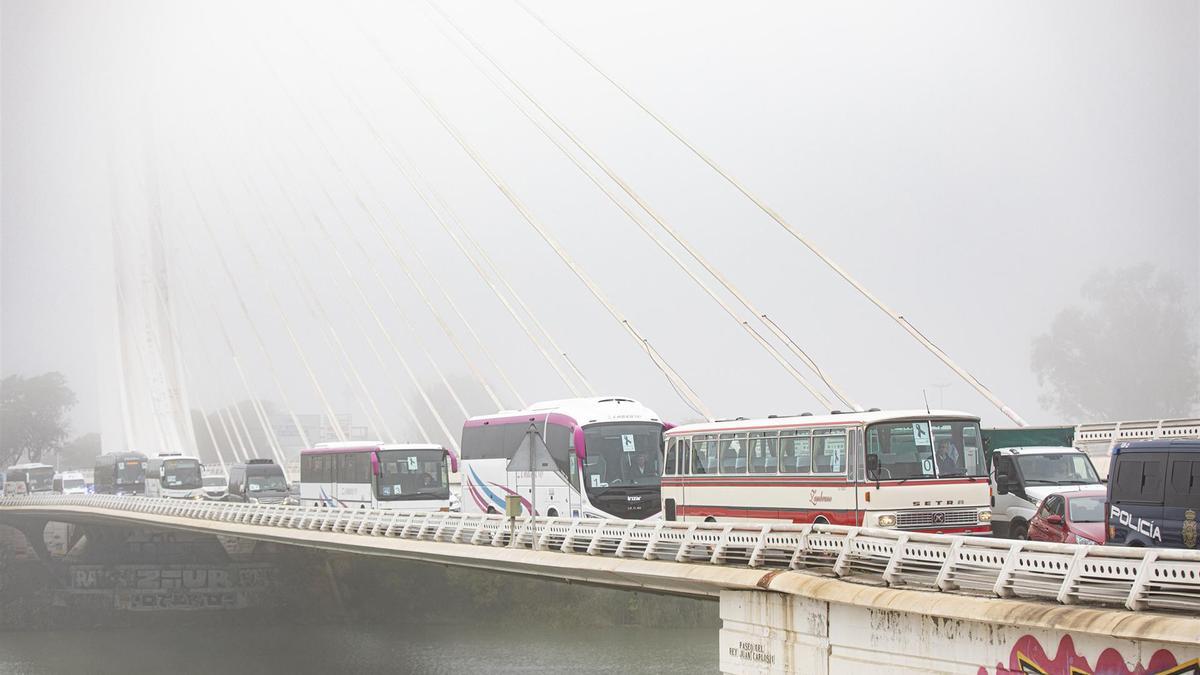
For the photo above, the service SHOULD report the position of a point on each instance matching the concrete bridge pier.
(880, 630)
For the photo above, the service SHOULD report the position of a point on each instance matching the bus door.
(530, 452)
(339, 472)
(858, 473)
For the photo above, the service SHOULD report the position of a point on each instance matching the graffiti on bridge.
(1028, 657)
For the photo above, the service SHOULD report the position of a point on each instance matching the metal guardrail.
(1138, 579)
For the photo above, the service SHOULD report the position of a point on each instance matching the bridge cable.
(685, 392)
(333, 246)
(287, 324)
(250, 320)
(248, 445)
(377, 227)
(359, 327)
(789, 228)
(758, 337)
(444, 215)
(317, 310)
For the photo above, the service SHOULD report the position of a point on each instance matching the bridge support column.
(770, 632)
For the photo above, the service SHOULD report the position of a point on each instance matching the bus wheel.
(710, 519)
(553, 513)
(820, 520)
(492, 510)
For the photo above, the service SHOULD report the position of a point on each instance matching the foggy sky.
(972, 163)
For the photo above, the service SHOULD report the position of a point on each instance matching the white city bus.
(29, 478)
(403, 476)
(910, 470)
(174, 475)
(607, 456)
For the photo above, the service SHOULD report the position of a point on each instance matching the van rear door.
(1136, 504)
(1181, 505)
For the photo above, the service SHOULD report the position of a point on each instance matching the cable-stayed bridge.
(204, 316)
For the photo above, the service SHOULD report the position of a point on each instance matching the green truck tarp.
(1022, 437)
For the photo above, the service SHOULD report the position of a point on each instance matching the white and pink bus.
(605, 459)
(910, 470)
(371, 474)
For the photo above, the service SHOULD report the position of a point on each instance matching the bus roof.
(590, 410)
(841, 419)
(367, 446)
(29, 465)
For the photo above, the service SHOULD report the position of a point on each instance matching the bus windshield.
(40, 479)
(130, 471)
(926, 449)
(622, 454)
(413, 474)
(1061, 468)
(181, 474)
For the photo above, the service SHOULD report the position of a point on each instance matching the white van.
(70, 483)
(1023, 477)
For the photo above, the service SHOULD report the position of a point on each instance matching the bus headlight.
(886, 520)
(985, 516)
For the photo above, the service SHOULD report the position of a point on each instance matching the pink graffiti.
(1029, 658)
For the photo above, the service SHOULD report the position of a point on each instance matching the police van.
(1154, 494)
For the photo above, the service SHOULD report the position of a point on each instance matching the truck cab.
(1022, 477)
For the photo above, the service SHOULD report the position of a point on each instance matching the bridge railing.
(1137, 579)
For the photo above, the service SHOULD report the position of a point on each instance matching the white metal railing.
(1138, 579)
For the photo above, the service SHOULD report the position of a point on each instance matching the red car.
(1070, 518)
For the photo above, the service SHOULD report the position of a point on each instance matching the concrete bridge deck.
(1139, 602)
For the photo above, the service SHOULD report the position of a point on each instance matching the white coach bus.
(27, 479)
(607, 459)
(407, 476)
(911, 470)
(174, 475)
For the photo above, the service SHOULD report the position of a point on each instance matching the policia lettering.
(1146, 527)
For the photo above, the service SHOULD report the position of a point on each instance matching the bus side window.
(699, 455)
(669, 460)
(764, 452)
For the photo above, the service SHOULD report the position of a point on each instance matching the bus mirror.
(873, 464)
(375, 471)
(453, 462)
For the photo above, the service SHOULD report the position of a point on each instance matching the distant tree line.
(1129, 351)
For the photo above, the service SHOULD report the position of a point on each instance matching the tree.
(33, 415)
(1129, 353)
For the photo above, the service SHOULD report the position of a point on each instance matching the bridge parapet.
(1136, 579)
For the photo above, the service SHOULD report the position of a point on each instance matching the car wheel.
(1019, 531)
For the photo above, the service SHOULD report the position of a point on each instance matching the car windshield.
(214, 481)
(130, 471)
(413, 474)
(268, 483)
(1086, 509)
(926, 449)
(181, 474)
(74, 484)
(1062, 468)
(622, 454)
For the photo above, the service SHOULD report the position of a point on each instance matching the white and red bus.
(371, 474)
(910, 470)
(605, 459)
